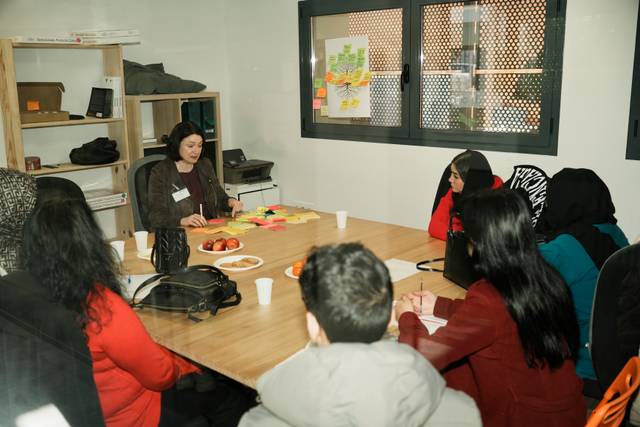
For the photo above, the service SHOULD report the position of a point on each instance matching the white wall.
(397, 183)
(248, 50)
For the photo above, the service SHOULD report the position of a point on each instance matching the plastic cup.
(141, 240)
(118, 245)
(341, 219)
(263, 286)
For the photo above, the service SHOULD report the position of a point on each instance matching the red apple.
(220, 245)
(207, 245)
(233, 243)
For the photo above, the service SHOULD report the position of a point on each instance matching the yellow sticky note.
(233, 231)
(367, 76)
(308, 215)
(355, 102)
(215, 230)
(324, 110)
(344, 104)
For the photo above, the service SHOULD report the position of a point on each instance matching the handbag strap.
(423, 265)
(147, 282)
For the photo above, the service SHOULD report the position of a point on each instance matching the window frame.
(409, 133)
(633, 137)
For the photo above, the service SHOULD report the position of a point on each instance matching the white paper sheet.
(400, 269)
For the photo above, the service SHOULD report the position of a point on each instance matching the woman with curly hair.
(65, 251)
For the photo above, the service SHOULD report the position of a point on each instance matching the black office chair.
(531, 182)
(615, 318)
(45, 358)
(138, 180)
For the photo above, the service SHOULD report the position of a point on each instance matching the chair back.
(530, 181)
(45, 356)
(612, 408)
(138, 180)
(615, 318)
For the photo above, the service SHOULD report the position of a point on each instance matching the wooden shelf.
(165, 96)
(70, 123)
(149, 146)
(111, 207)
(70, 167)
(63, 46)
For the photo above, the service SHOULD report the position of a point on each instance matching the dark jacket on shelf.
(165, 179)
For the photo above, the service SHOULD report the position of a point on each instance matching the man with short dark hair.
(348, 376)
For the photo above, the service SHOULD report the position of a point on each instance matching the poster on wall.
(348, 77)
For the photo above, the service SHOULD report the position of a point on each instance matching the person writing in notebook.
(183, 189)
(512, 342)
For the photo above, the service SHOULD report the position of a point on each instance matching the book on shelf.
(111, 40)
(115, 84)
(62, 39)
(106, 33)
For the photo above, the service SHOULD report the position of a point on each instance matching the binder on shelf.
(115, 84)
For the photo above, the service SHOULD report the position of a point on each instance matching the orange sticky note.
(33, 105)
(328, 77)
(321, 92)
(199, 230)
(317, 103)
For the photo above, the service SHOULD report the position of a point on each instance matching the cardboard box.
(41, 102)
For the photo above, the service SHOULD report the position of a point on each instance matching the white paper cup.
(263, 286)
(118, 245)
(141, 240)
(341, 219)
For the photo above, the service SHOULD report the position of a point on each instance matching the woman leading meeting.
(183, 189)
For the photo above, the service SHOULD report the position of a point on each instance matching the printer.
(249, 180)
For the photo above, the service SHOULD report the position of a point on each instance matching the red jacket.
(482, 340)
(129, 368)
(439, 224)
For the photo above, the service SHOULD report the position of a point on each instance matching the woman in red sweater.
(462, 184)
(64, 249)
(512, 342)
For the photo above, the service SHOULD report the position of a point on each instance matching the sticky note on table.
(241, 225)
(260, 221)
(215, 230)
(321, 93)
(215, 221)
(274, 207)
(295, 219)
(308, 215)
(274, 227)
(199, 230)
(233, 231)
(317, 103)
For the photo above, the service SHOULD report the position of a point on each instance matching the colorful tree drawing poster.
(348, 77)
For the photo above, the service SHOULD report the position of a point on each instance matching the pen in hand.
(421, 295)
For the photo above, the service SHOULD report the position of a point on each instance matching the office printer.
(239, 170)
(249, 180)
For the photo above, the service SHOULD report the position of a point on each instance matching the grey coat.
(164, 211)
(372, 385)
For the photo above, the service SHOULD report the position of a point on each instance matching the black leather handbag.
(170, 253)
(458, 264)
(196, 289)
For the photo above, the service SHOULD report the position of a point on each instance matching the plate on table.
(227, 251)
(289, 273)
(145, 254)
(250, 262)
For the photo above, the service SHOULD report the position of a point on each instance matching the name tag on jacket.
(180, 194)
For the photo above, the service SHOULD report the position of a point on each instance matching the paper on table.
(400, 269)
(432, 323)
(130, 284)
(241, 225)
(308, 215)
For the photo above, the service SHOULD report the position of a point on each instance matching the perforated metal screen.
(482, 65)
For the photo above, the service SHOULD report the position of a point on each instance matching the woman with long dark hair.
(510, 343)
(470, 172)
(580, 234)
(66, 253)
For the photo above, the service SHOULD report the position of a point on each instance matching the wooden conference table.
(245, 341)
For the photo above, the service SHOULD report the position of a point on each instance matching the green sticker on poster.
(317, 83)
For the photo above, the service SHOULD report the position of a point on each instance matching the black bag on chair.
(196, 289)
(458, 265)
(170, 253)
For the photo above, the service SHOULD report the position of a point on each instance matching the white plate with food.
(238, 262)
(289, 273)
(226, 251)
(145, 254)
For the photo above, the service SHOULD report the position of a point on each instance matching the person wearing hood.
(462, 185)
(18, 199)
(580, 234)
(347, 375)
